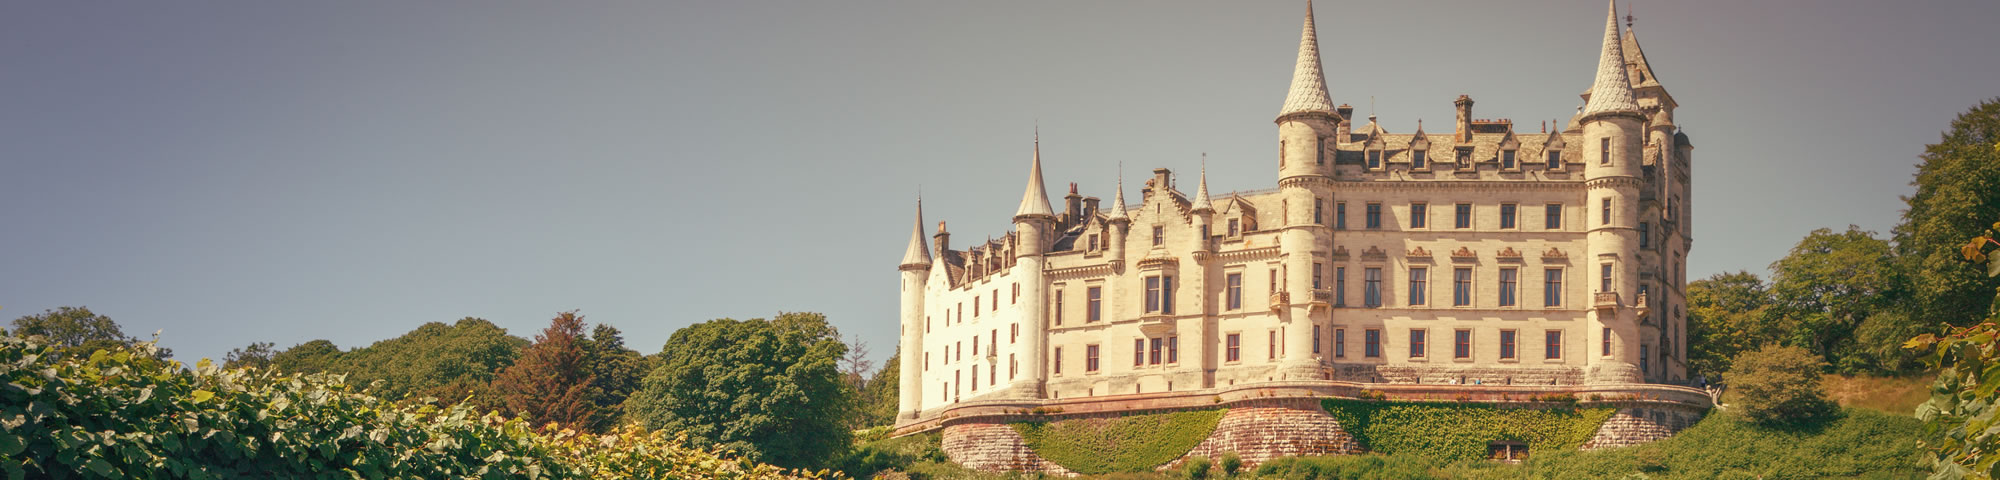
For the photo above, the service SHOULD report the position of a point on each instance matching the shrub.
(1196, 468)
(1133, 443)
(1779, 385)
(1231, 463)
(1461, 431)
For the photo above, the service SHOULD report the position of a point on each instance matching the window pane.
(1461, 280)
(1418, 278)
(1418, 212)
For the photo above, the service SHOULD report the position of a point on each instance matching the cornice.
(1457, 185)
(1613, 182)
(1080, 272)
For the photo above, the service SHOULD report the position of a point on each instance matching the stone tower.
(1614, 135)
(916, 270)
(1034, 223)
(1305, 184)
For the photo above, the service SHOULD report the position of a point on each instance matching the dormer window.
(1417, 160)
(1093, 242)
(1555, 159)
(1234, 225)
(1507, 159)
(1374, 157)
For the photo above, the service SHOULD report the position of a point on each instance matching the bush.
(1779, 385)
(1133, 443)
(1196, 468)
(122, 413)
(871, 458)
(1231, 463)
(1461, 431)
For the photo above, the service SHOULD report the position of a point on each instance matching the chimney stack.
(1464, 104)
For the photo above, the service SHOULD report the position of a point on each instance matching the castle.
(1481, 256)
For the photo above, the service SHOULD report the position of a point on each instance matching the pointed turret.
(1036, 201)
(1308, 92)
(917, 254)
(1201, 203)
(1118, 203)
(1611, 92)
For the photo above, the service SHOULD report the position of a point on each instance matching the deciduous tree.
(1957, 192)
(1728, 314)
(770, 389)
(75, 331)
(1827, 286)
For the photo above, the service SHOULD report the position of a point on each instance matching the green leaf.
(203, 395)
(102, 467)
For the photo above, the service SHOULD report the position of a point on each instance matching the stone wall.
(1265, 429)
(1634, 426)
(994, 447)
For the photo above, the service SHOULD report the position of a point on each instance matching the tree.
(311, 357)
(257, 355)
(76, 331)
(1828, 285)
(1728, 314)
(879, 399)
(769, 389)
(550, 382)
(1957, 184)
(1779, 385)
(434, 355)
(1959, 434)
(615, 372)
(854, 366)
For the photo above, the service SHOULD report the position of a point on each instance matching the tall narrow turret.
(1305, 183)
(1308, 93)
(1034, 223)
(1614, 136)
(915, 269)
(1121, 224)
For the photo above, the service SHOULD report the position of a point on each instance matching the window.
(1234, 224)
(1371, 343)
(1059, 306)
(1645, 235)
(1173, 349)
(1013, 367)
(1316, 338)
(1167, 294)
(1234, 295)
(1320, 143)
(1508, 280)
(1555, 158)
(1461, 343)
(1271, 345)
(1507, 344)
(1153, 356)
(1159, 235)
(1461, 287)
(1152, 294)
(992, 374)
(975, 345)
(1138, 352)
(1016, 298)
(927, 361)
(1554, 216)
(1462, 217)
(1552, 343)
(996, 299)
(1374, 216)
(1643, 365)
(1507, 159)
(1606, 220)
(1419, 278)
(1374, 159)
(1234, 351)
(975, 306)
(1055, 360)
(1093, 242)
(1418, 214)
(1316, 276)
(1340, 343)
(1014, 333)
(1552, 287)
(1417, 342)
(1606, 343)
(1604, 276)
(1274, 280)
(1340, 216)
(1319, 211)
(1371, 288)
(1090, 358)
(960, 347)
(1093, 306)
(927, 324)
(1340, 286)
(1604, 151)
(1418, 159)
(1507, 216)
(975, 378)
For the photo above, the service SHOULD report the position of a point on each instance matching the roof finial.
(1628, 16)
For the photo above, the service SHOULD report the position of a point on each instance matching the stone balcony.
(1605, 300)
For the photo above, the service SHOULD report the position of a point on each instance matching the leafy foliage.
(1828, 285)
(766, 388)
(1728, 314)
(1131, 443)
(121, 413)
(550, 382)
(257, 355)
(76, 331)
(879, 397)
(1461, 431)
(1779, 385)
(1959, 427)
(432, 356)
(1956, 184)
(871, 458)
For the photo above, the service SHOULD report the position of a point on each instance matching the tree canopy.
(767, 388)
(1957, 193)
(433, 356)
(550, 382)
(1827, 286)
(76, 331)
(1728, 314)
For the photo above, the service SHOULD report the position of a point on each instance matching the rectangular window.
(1271, 345)
(1371, 287)
(1090, 358)
(992, 374)
(1507, 159)
(1013, 367)
(1374, 159)
(1316, 340)
(1418, 214)
(1340, 216)
(975, 345)
(1371, 343)
(1093, 305)
(1417, 342)
(1419, 283)
(1320, 143)
(1418, 159)
(1138, 352)
(927, 361)
(1173, 349)
(1645, 235)
(1461, 287)
(996, 299)
(1605, 349)
(1153, 355)
(1604, 278)
(1555, 158)
(1507, 216)
(1317, 275)
(1319, 211)
(1374, 216)
(1016, 296)
(1644, 367)
(1462, 216)
(1507, 344)
(959, 346)
(1159, 235)
(1234, 295)
(1234, 224)
(1461, 343)
(1093, 242)
(975, 378)
(1234, 351)
(1167, 294)
(1340, 343)
(1059, 307)
(1552, 287)
(1055, 360)
(1605, 218)
(1340, 286)
(1274, 280)
(1509, 279)
(1152, 294)
(1604, 151)
(975, 306)
(1554, 216)
(1552, 343)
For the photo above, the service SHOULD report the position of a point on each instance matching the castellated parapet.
(1480, 258)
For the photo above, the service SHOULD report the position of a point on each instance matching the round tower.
(1306, 126)
(1614, 137)
(1034, 222)
(916, 269)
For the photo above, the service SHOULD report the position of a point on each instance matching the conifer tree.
(550, 382)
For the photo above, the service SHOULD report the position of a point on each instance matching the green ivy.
(121, 413)
(1461, 431)
(1132, 443)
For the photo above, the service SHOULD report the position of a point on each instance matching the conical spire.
(918, 254)
(1036, 200)
(1118, 201)
(1612, 91)
(1201, 192)
(1308, 81)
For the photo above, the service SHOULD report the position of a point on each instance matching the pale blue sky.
(231, 172)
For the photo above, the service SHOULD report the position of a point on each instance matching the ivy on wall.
(1132, 443)
(1461, 431)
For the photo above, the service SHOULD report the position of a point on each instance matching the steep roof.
(1611, 91)
(1036, 200)
(918, 253)
(1201, 192)
(1118, 203)
(1308, 92)
(1641, 72)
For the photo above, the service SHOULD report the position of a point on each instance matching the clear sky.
(239, 171)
